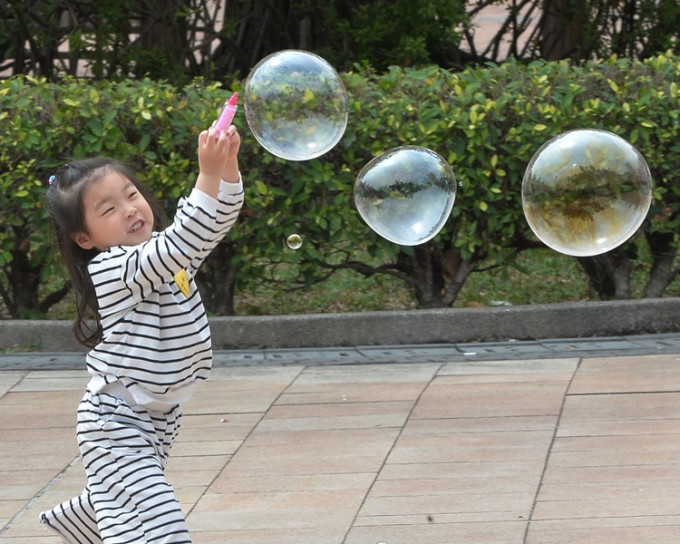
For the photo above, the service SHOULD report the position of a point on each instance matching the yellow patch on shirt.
(182, 281)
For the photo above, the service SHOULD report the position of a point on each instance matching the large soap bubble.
(406, 194)
(586, 192)
(296, 105)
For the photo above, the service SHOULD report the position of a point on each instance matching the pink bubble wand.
(227, 115)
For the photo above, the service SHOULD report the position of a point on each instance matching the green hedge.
(487, 122)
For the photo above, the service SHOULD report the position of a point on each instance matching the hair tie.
(52, 179)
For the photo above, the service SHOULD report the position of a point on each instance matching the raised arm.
(217, 159)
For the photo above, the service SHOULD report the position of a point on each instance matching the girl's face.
(116, 214)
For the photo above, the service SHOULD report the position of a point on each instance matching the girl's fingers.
(211, 137)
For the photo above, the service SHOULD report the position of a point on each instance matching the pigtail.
(65, 203)
(87, 327)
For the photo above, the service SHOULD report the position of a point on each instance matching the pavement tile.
(649, 373)
(462, 484)
(618, 474)
(447, 398)
(640, 489)
(191, 476)
(338, 423)
(342, 415)
(253, 461)
(206, 448)
(384, 374)
(59, 487)
(480, 424)
(228, 483)
(609, 504)
(245, 401)
(220, 426)
(317, 445)
(502, 370)
(573, 531)
(187, 475)
(464, 507)
(625, 427)
(622, 408)
(9, 508)
(8, 380)
(564, 449)
(615, 451)
(324, 393)
(600, 523)
(486, 532)
(338, 409)
(245, 535)
(518, 469)
(36, 540)
(466, 447)
(283, 511)
(46, 380)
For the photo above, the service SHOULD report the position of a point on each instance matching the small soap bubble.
(294, 241)
(406, 194)
(586, 192)
(296, 105)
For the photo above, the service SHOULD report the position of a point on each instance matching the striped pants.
(127, 498)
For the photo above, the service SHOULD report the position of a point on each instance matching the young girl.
(141, 314)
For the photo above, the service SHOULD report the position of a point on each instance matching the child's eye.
(108, 211)
(132, 195)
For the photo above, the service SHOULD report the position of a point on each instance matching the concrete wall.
(541, 321)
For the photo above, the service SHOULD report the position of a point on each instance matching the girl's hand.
(234, 142)
(212, 152)
(212, 161)
(230, 171)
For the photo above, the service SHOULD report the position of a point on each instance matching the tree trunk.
(217, 280)
(463, 270)
(562, 28)
(53, 298)
(609, 273)
(23, 285)
(663, 263)
(430, 270)
(162, 30)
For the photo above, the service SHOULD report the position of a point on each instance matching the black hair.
(65, 202)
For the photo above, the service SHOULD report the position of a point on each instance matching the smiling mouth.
(137, 226)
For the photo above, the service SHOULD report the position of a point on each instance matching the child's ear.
(83, 240)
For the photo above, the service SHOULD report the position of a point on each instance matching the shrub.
(486, 121)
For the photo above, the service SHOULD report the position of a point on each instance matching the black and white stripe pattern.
(156, 345)
(154, 336)
(127, 498)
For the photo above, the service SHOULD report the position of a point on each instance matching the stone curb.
(415, 327)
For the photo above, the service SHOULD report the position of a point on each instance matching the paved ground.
(545, 442)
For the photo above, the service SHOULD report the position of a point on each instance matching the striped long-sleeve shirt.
(156, 341)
